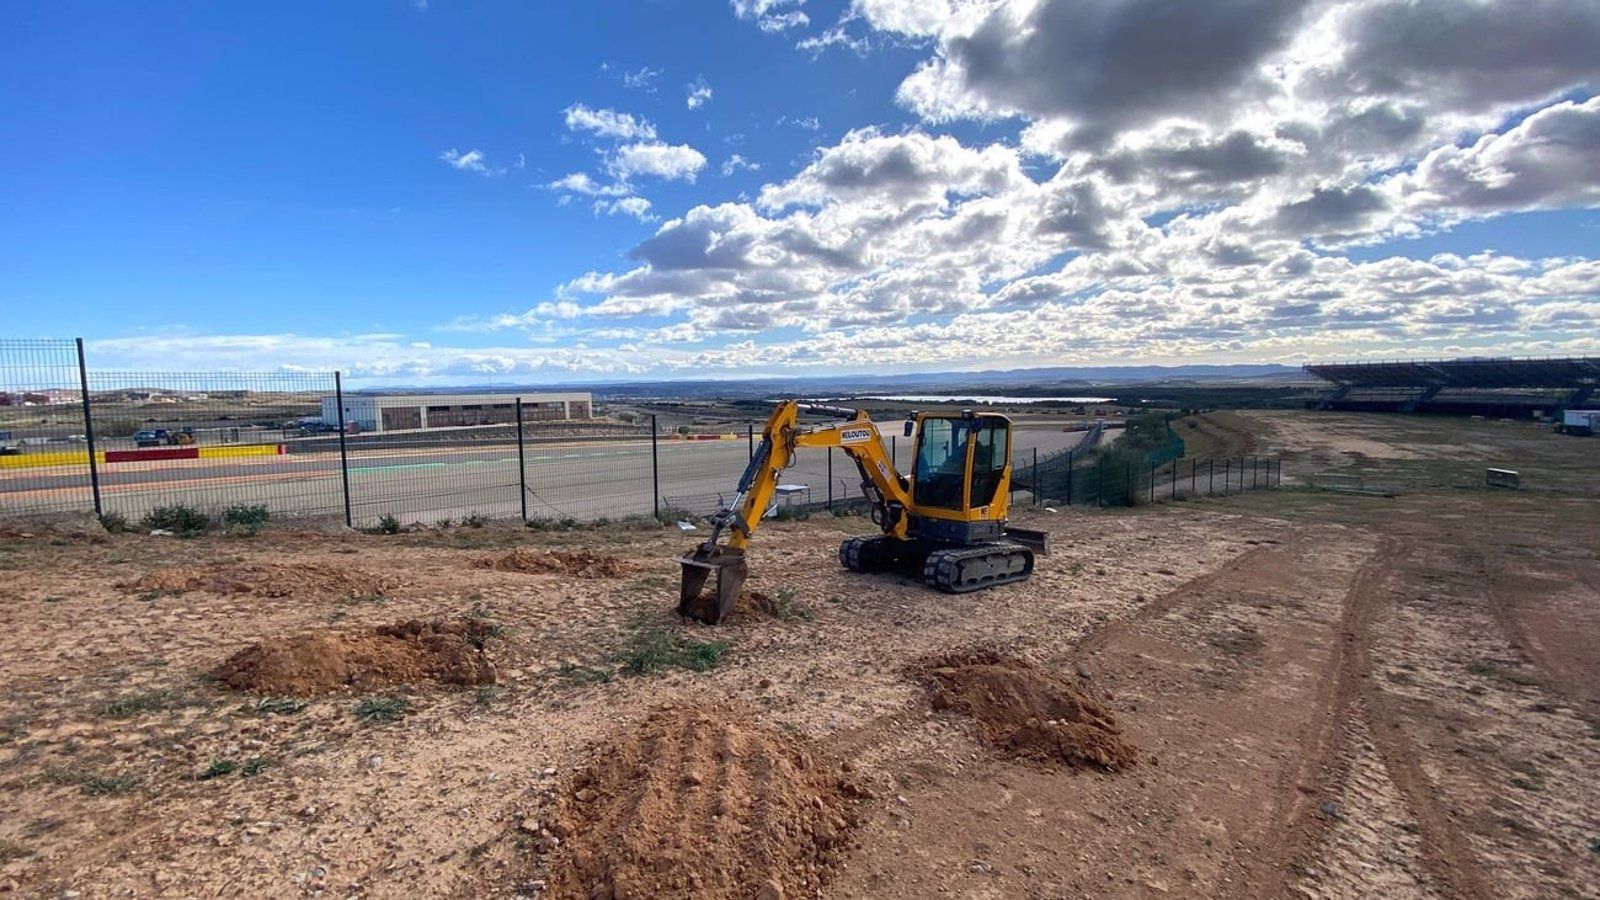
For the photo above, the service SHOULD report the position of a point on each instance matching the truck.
(1582, 422)
(8, 445)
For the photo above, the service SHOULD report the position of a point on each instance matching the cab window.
(941, 469)
(990, 452)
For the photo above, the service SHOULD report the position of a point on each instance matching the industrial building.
(1513, 388)
(410, 412)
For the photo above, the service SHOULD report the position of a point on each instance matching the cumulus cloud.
(1183, 184)
(636, 207)
(673, 162)
(608, 123)
(735, 163)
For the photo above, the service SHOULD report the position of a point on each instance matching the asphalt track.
(584, 480)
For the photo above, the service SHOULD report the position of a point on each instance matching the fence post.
(1071, 464)
(1227, 474)
(830, 479)
(1255, 472)
(344, 450)
(1194, 465)
(522, 466)
(1036, 476)
(88, 429)
(1152, 481)
(750, 439)
(655, 469)
(1100, 486)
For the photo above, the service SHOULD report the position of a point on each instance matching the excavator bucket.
(694, 601)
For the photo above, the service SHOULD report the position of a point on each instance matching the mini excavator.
(946, 522)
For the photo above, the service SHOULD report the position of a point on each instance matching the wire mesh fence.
(75, 439)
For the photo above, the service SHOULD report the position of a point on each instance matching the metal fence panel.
(44, 447)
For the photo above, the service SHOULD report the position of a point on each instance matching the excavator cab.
(945, 520)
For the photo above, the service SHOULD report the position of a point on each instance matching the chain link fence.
(124, 444)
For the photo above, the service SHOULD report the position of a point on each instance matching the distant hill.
(1037, 381)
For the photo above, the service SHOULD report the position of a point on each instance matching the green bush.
(243, 518)
(654, 649)
(388, 524)
(177, 518)
(115, 523)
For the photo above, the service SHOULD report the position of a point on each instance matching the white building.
(405, 412)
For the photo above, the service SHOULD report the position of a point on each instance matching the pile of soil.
(264, 580)
(700, 802)
(583, 563)
(318, 662)
(1027, 711)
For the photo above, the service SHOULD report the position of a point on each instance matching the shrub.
(177, 518)
(388, 524)
(115, 523)
(476, 520)
(381, 709)
(244, 518)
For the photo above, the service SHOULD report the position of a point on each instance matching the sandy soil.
(1326, 696)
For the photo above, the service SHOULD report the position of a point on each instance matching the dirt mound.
(263, 580)
(318, 662)
(584, 563)
(1028, 711)
(700, 802)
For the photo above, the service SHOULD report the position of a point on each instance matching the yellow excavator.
(945, 522)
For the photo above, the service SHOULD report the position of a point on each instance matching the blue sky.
(271, 185)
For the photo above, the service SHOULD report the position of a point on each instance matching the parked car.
(161, 437)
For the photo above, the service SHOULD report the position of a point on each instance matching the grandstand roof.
(1556, 372)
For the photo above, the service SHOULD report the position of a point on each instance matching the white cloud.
(581, 183)
(637, 207)
(771, 15)
(673, 162)
(735, 163)
(641, 79)
(608, 123)
(699, 93)
(470, 161)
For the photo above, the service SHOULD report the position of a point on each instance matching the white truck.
(1583, 422)
(7, 446)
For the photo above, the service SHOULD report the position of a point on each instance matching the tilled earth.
(1309, 695)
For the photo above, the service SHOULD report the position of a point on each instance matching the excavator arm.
(782, 436)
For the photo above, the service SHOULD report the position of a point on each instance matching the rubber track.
(942, 566)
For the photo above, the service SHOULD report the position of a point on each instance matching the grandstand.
(1504, 387)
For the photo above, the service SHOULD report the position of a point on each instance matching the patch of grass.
(542, 523)
(650, 583)
(217, 769)
(381, 709)
(362, 599)
(654, 648)
(10, 850)
(583, 674)
(114, 523)
(100, 785)
(783, 607)
(129, 705)
(254, 766)
(444, 523)
(475, 520)
(487, 695)
(276, 706)
(181, 520)
(245, 518)
(387, 524)
(1485, 668)
(791, 514)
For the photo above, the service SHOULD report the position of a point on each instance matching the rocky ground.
(1284, 693)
